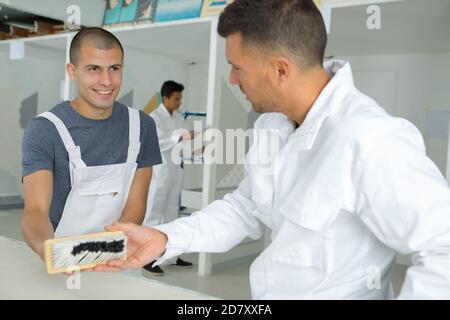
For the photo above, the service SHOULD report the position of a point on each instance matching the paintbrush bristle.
(83, 252)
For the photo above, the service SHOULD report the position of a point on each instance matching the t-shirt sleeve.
(37, 146)
(149, 155)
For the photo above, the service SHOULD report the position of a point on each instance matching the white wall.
(41, 71)
(197, 86)
(145, 73)
(195, 97)
(408, 86)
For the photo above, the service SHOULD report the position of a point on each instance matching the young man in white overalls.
(87, 162)
(163, 203)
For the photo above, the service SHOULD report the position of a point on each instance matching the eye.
(92, 68)
(115, 68)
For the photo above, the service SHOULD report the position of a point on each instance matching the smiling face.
(98, 74)
(251, 71)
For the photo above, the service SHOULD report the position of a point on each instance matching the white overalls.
(99, 193)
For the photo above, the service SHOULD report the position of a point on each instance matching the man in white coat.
(350, 188)
(163, 203)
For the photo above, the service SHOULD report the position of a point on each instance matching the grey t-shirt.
(102, 142)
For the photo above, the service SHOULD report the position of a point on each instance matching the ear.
(282, 69)
(70, 68)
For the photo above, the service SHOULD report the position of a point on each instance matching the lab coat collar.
(328, 102)
(163, 111)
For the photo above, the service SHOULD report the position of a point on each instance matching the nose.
(234, 79)
(105, 79)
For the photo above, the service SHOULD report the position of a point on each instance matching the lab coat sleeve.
(168, 139)
(405, 201)
(216, 228)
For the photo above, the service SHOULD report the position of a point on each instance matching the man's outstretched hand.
(143, 246)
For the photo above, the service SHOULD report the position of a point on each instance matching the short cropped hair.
(295, 27)
(100, 38)
(169, 87)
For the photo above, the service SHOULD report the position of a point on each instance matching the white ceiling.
(413, 26)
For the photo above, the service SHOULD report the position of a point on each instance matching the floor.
(229, 280)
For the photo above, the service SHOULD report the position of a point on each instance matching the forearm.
(133, 214)
(209, 231)
(217, 228)
(36, 231)
(167, 143)
(136, 206)
(168, 140)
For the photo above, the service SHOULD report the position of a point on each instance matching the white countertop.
(23, 276)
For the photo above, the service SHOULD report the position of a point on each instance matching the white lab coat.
(165, 188)
(351, 187)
